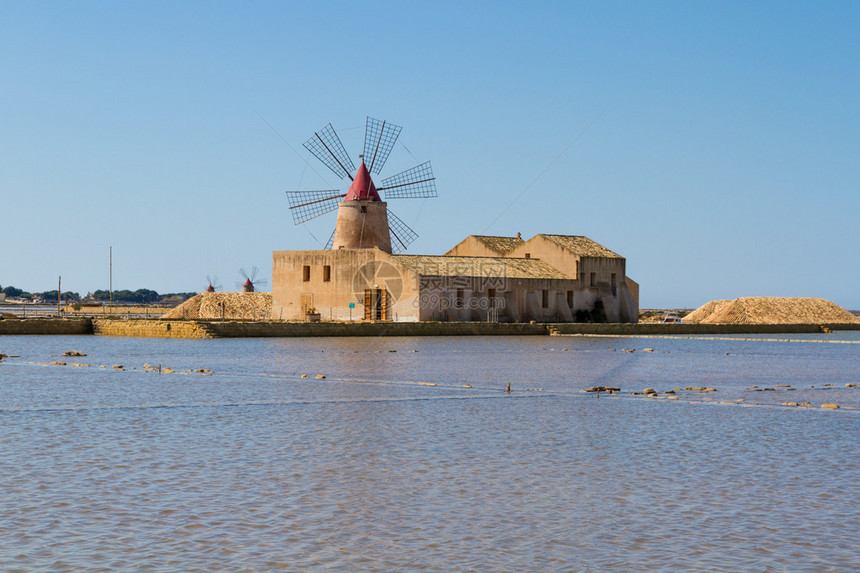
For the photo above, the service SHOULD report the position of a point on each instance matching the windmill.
(363, 218)
(213, 283)
(250, 280)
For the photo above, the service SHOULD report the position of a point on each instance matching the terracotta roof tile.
(582, 246)
(500, 245)
(428, 265)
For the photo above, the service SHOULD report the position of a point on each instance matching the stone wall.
(51, 326)
(153, 328)
(150, 328)
(154, 311)
(292, 329)
(692, 329)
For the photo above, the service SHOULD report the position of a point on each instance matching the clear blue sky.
(717, 144)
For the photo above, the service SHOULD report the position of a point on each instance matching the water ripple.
(254, 468)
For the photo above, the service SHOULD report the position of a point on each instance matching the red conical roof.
(362, 188)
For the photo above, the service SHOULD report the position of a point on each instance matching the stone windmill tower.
(363, 218)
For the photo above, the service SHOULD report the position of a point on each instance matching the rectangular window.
(545, 299)
(582, 278)
(326, 273)
(528, 255)
(306, 273)
(491, 295)
(570, 299)
(592, 279)
(612, 283)
(459, 302)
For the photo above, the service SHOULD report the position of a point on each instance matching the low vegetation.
(140, 296)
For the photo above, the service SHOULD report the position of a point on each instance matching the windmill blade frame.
(416, 183)
(307, 205)
(213, 282)
(326, 146)
(379, 139)
(251, 278)
(402, 234)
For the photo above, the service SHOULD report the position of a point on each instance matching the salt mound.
(771, 310)
(227, 305)
(704, 311)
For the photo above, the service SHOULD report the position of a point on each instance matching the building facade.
(549, 278)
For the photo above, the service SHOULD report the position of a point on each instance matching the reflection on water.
(256, 468)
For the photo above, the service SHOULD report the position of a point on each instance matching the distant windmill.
(213, 283)
(363, 219)
(251, 280)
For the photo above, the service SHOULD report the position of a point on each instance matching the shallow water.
(255, 468)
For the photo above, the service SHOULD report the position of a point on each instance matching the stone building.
(548, 278)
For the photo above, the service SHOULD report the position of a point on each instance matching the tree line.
(139, 296)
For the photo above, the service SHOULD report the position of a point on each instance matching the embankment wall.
(154, 328)
(150, 328)
(54, 326)
(257, 329)
(107, 310)
(292, 329)
(691, 329)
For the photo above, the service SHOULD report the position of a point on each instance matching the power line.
(524, 191)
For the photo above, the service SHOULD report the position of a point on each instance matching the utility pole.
(110, 286)
(59, 290)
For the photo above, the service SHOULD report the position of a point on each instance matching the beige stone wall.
(551, 253)
(518, 299)
(289, 329)
(619, 302)
(50, 326)
(617, 299)
(351, 271)
(362, 225)
(110, 310)
(435, 298)
(471, 247)
(633, 287)
(208, 329)
(240, 329)
(149, 328)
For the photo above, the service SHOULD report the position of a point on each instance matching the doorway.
(376, 304)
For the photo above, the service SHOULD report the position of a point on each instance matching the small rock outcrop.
(603, 389)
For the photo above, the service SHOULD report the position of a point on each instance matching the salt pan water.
(411, 455)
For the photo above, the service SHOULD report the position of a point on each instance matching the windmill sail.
(307, 205)
(379, 140)
(415, 183)
(251, 281)
(401, 234)
(213, 283)
(327, 147)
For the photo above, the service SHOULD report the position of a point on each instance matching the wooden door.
(368, 304)
(307, 303)
(384, 313)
